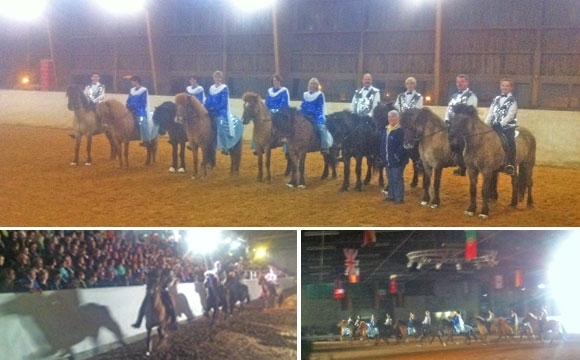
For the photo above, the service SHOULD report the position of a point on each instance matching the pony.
(380, 115)
(155, 315)
(404, 331)
(346, 328)
(449, 331)
(430, 332)
(484, 154)
(215, 297)
(502, 328)
(123, 127)
(302, 137)
(357, 136)
(197, 125)
(263, 134)
(164, 115)
(385, 331)
(542, 328)
(362, 330)
(86, 123)
(269, 292)
(483, 326)
(426, 132)
(236, 292)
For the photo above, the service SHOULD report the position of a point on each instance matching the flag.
(498, 282)
(369, 237)
(519, 279)
(338, 289)
(470, 244)
(393, 284)
(351, 264)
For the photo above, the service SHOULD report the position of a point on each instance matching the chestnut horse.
(542, 328)
(86, 123)
(484, 154)
(155, 315)
(302, 137)
(164, 115)
(425, 130)
(124, 128)
(255, 109)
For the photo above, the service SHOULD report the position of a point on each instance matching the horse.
(86, 123)
(346, 328)
(542, 328)
(263, 134)
(357, 136)
(430, 332)
(197, 124)
(386, 330)
(483, 326)
(124, 128)
(484, 154)
(215, 297)
(164, 115)
(302, 137)
(404, 331)
(236, 292)
(362, 330)
(155, 315)
(426, 132)
(502, 328)
(450, 331)
(269, 292)
(380, 115)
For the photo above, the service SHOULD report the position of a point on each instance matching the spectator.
(8, 281)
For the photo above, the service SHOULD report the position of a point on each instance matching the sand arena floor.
(41, 188)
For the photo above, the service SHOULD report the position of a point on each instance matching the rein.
(417, 138)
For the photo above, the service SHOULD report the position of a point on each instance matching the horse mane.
(183, 99)
(250, 96)
(381, 112)
(464, 109)
(284, 119)
(76, 90)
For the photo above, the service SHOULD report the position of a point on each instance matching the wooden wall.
(536, 43)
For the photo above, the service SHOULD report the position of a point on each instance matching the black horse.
(164, 115)
(357, 136)
(449, 331)
(236, 292)
(216, 297)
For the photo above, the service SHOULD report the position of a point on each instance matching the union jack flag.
(350, 262)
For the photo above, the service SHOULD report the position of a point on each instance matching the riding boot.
(511, 153)
(141, 313)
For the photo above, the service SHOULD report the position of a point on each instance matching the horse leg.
(485, 188)
(428, 190)
(515, 191)
(381, 177)
(288, 163)
(268, 160)
(415, 179)
(78, 137)
(194, 150)
(436, 187)
(473, 174)
(302, 182)
(358, 172)
(325, 171)
(346, 179)
(236, 158)
(149, 345)
(493, 196)
(89, 147)
(115, 151)
(370, 164)
(182, 157)
(260, 176)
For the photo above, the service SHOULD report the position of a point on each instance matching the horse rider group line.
(502, 114)
(162, 275)
(456, 321)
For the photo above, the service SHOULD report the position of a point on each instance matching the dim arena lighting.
(562, 284)
(23, 9)
(122, 6)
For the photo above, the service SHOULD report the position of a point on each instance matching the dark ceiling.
(323, 258)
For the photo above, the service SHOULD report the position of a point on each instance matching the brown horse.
(120, 122)
(269, 292)
(343, 325)
(484, 154)
(542, 328)
(86, 123)
(424, 128)
(195, 118)
(302, 137)
(155, 315)
(502, 328)
(255, 109)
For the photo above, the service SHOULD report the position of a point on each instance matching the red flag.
(519, 279)
(338, 289)
(393, 285)
(470, 244)
(369, 237)
(352, 270)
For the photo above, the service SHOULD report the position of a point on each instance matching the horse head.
(412, 131)
(252, 102)
(76, 98)
(381, 114)
(164, 116)
(462, 117)
(284, 121)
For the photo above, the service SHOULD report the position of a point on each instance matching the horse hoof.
(301, 186)
(73, 164)
(468, 213)
(172, 169)
(434, 206)
(193, 177)
(181, 170)
(88, 164)
(290, 186)
(483, 216)
(423, 203)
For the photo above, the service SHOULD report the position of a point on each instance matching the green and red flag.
(470, 244)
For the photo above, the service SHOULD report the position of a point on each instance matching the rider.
(514, 320)
(313, 107)
(426, 324)
(462, 96)
(502, 117)
(271, 275)
(409, 99)
(95, 94)
(138, 104)
(194, 89)
(164, 276)
(458, 323)
(389, 320)
(411, 324)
